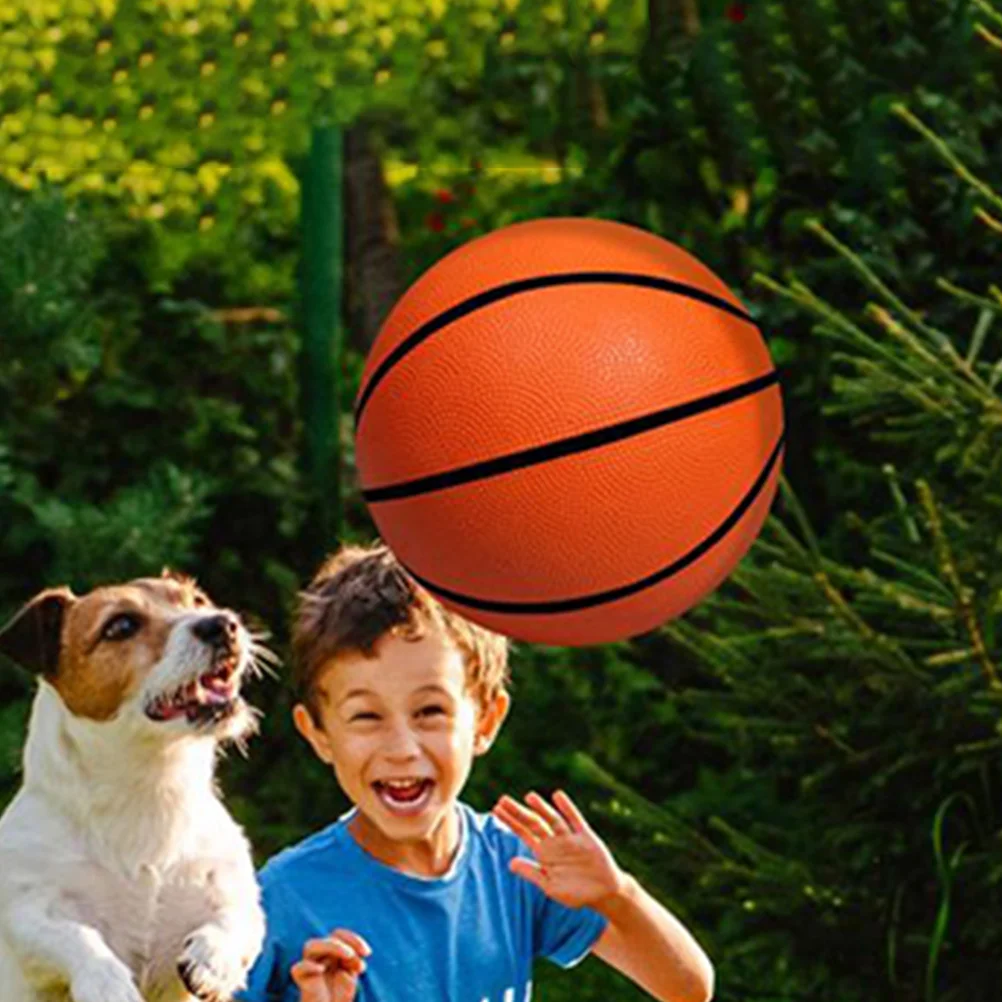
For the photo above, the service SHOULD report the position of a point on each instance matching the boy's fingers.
(305, 970)
(345, 986)
(530, 871)
(308, 977)
(529, 820)
(354, 940)
(570, 811)
(517, 827)
(333, 952)
(554, 819)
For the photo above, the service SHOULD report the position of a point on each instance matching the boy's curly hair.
(359, 595)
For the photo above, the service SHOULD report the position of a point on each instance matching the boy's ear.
(315, 736)
(491, 718)
(32, 638)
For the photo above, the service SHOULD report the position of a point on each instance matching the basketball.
(569, 431)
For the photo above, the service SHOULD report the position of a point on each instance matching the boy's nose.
(402, 743)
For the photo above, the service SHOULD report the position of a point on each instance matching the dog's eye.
(201, 601)
(121, 627)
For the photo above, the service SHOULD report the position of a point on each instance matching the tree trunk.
(373, 238)
(669, 18)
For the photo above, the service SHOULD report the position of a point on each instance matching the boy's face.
(401, 731)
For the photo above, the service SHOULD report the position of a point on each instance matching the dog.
(122, 876)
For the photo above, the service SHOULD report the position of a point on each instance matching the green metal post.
(321, 279)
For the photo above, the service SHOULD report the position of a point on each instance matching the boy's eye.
(428, 711)
(364, 716)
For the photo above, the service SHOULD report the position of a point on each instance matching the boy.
(412, 894)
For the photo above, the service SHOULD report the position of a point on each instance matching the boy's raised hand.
(573, 865)
(330, 967)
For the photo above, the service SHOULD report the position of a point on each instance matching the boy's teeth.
(408, 796)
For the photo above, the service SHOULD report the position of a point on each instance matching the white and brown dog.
(122, 876)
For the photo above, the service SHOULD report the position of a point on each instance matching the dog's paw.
(211, 966)
(104, 981)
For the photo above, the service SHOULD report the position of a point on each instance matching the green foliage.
(135, 430)
(848, 845)
(189, 111)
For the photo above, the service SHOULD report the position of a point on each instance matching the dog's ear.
(32, 638)
(181, 578)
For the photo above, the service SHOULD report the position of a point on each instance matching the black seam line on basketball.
(625, 591)
(489, 296)
(570, 446)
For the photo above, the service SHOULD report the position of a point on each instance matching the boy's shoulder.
(314, 852)
(493, 838)
(484, 826)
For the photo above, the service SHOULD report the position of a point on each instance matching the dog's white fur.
(118, 860)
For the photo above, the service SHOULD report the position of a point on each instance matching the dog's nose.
(219, 631)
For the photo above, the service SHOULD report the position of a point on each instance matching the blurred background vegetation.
(806, 767)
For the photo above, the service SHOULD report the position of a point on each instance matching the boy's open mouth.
(404, 796)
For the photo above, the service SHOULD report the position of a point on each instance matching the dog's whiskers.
(266, 655)
(254, 727)
(263, 661)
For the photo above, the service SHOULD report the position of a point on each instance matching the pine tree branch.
(891, 652)
(653, 815)
(839, 325)
(964, 595)
(985, 397)
(989, 220)
(941, 339)
(948, 155)
(989, 11)
(965, 296)
(800, 517)
(762, 857)
(897, 495)
(992, 39)
(867, 273)
(833, 739)
(859, 394)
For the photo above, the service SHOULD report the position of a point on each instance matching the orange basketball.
(569, 431)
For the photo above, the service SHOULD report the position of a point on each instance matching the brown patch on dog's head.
(96, 650)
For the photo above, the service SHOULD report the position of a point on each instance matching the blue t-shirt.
(467, 936)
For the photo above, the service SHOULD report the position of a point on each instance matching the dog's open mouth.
(211, 697)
